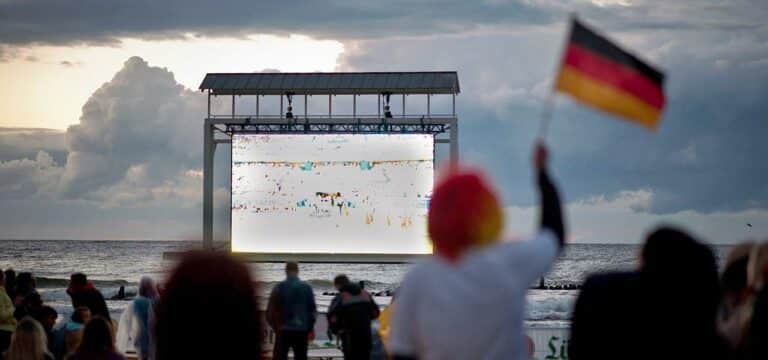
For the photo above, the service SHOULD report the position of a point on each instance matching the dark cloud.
(706, 15)
(707, 155)
(104, 22)
(35, 218)
(95, 21)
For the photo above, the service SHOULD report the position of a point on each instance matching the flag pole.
(549, 102)
(546, 115)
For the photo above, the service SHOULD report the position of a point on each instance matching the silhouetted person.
(7, 321)
(10, 283)
(467, 301)
(28, 342)
(339, 282)
(756, 339)
(120, 293)
(291, 313)
(97, 342)
(756, 342)
(27, 299)
(735, 306)
(208, 310)
(352, 316)
(665, 310)
(83, 293)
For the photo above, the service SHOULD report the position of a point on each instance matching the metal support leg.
(208, 152)
(454, 140)
(429, 111)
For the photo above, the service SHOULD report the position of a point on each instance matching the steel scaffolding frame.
(219, 129)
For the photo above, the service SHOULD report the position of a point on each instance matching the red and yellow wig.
(463, 213)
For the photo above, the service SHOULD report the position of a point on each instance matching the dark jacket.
(628, 315)
(601, 316)
(90, 298)
(756, 342)
(101, 355)
(292, 306)
(29, 305)
(46, 356)
(350, 317)
(333, 324)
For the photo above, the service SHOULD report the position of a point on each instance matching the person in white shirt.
(467, 301)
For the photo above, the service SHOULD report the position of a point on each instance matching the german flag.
(598, 73)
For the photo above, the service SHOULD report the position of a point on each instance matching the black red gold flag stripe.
(600, 74)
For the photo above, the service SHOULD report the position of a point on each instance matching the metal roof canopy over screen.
(352, 83)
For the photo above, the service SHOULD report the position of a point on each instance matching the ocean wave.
(45, 282)
(550, 305)
(318, 284)
(324, 285)
(541, 305)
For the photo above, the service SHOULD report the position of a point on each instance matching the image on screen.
(342, 194)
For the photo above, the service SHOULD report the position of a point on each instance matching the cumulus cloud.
(19, 143)
(136, 149)
(139, 128)
(29, 177)
(133, 146)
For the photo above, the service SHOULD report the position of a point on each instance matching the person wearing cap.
(350, 316)
(467, 301)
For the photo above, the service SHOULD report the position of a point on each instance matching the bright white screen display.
(353, 194)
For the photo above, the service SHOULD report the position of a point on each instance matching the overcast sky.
(101, 125)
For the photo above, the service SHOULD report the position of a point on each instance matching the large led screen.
(352, 194)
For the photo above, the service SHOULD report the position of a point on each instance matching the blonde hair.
(757, 266)
(28, 341)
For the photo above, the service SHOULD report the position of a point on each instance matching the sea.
(112, 264)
